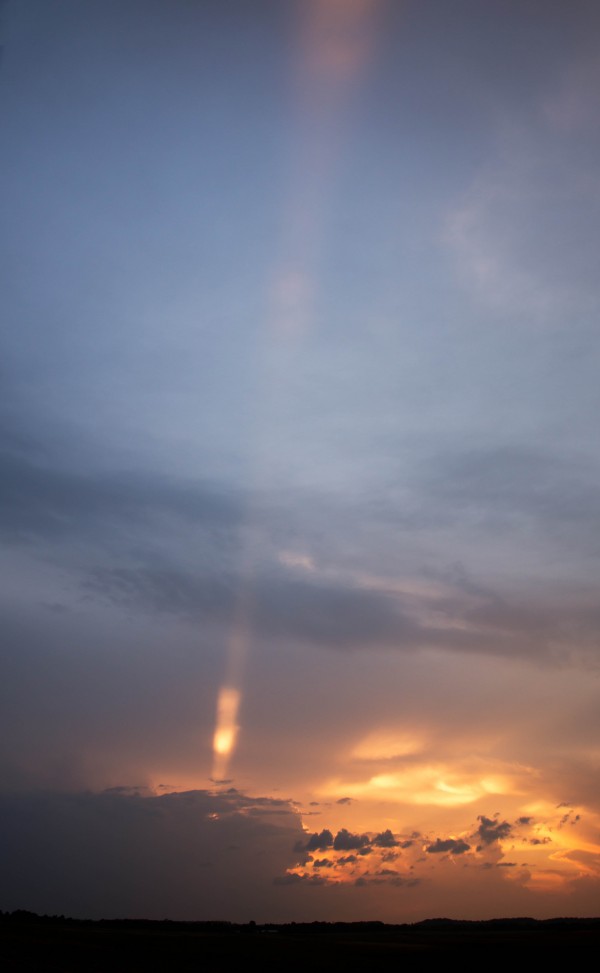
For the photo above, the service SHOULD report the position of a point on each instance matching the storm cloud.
(122, 853)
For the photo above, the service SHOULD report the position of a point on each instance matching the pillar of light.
(334, 43)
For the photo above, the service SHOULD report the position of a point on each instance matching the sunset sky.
(300, 483)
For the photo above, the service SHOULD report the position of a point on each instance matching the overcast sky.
(299, 486)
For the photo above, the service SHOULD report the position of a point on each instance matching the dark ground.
(29, 942)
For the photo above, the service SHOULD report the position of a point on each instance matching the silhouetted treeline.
(311, 928)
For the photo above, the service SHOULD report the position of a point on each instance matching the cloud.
(127, 540)
(386, 877)
(195, 854)
(501, 485)
(293, 878)
(385, 840)
(455, 846)
(341, 616)
(346, 841)
(45, 500)
(521, 234)
(316, 842)
(491, 830)
(319, 612)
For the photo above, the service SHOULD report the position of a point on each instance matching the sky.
(299, 486)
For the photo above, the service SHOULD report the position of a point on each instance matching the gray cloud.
(161, 544)
(45, 501)
(322, 613)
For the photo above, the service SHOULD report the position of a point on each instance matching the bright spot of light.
(226, 728)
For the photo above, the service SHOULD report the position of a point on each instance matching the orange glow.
(546, 880)
(384, 746)
(438, 785)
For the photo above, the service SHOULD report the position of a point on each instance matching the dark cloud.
(491, 829)
(385, 840)
(346, 841)
(344, 800)
(281, 606)
(455, 846)
(119, 853)
(347, 860)
(340, 616)
(524, 820)
(319, 841)
(323, 863)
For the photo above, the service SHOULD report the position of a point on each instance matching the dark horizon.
(28, 940)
